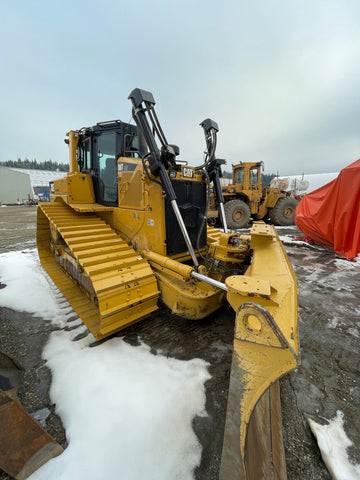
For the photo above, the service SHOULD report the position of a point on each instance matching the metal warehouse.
(15, 187)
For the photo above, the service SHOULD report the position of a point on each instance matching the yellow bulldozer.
(247, 199)
(126, 227)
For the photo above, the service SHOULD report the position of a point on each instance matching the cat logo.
(187, 172)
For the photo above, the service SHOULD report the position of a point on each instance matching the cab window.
(85, 162)
(131, 147)
(107, 165)
(253, 176)
(240, 176)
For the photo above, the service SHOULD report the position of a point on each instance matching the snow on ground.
(333, 443)
(127, 412)
(27, 288)
(290, 240)
(342, 262)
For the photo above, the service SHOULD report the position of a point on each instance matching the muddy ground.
(327, 380)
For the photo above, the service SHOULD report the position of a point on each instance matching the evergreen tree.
(35, 165)
(266, 179)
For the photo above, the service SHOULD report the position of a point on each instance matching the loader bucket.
(265, 348)
(25, 445)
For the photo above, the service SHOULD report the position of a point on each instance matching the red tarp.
(330, 215)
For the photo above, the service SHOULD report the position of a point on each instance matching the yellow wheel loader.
(127, 227)
(246, 199)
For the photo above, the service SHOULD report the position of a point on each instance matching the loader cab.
(247, 175)
(99, 149)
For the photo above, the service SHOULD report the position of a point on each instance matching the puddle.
(10, 373)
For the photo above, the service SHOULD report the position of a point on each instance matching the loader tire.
(237, 214)
(283, 212)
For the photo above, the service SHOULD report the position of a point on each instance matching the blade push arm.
(159, 159)
(213, 164)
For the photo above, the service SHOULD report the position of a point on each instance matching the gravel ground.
(327, 380)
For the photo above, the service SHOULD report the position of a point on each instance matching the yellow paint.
(74, 188)
(73, 143)
(166, 263)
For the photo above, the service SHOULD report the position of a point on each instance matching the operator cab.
(99, 149)
(247, 175)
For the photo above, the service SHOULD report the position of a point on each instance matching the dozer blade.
(106, 282)
(25, 445)
(265, 348)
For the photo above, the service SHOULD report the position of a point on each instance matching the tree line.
(35, 165)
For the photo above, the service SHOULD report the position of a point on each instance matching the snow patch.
(344, 264)
(291, 240)
(334, 322)
(27, 289)
(354, 332)
(127, 413)
(333, 443)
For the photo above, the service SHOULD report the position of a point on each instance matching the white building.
(41, 178)
(15, 186)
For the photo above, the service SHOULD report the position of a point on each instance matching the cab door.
(105, 169)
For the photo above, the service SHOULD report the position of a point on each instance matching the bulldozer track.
(121, 287)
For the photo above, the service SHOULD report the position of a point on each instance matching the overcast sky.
(280, 77)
